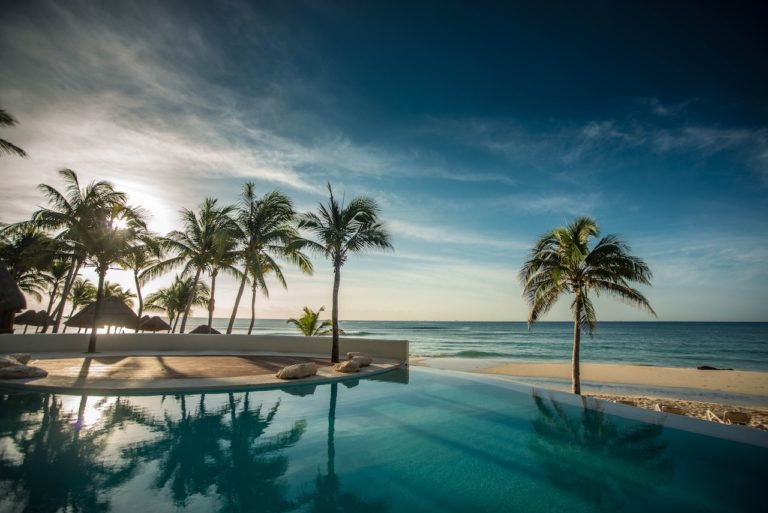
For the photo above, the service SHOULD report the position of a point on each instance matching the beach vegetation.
(310, 325)
(342, 229)
(7, 147)
(565, 262)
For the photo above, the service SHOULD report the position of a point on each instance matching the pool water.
(405, 442)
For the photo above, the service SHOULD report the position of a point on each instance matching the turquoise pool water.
(406, 442)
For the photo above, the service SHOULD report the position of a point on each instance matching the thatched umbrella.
(204, 329)
(154, 324)
(113, 313)
(12, 301)
(28, 318)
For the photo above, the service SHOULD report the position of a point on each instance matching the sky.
(476, 126)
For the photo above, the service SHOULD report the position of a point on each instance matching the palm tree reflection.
(592, 456)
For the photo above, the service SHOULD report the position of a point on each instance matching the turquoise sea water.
(741, 346)
(406, 442)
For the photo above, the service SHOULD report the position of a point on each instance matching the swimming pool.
(403, 442)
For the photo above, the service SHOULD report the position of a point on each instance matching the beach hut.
(154, 324)
(205, 330)
(12, 301)
(113, 313)
(28, 318)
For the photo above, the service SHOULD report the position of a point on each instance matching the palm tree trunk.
(71, 313)
(237, 304)
(175, 323)
(138, 295)
(48, 310)
(331, 431)
(575, 370)
(189, 301)
(253, 307)
(97, 312)
(335, 313)
(212, 300)
(67, 286)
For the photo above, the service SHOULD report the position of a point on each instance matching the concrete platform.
(177, 371)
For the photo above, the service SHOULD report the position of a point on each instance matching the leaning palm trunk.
(237, 304)
(138, 295)
(65, 293)
(190, 299)
(253, 307)
(212, 300)
(48, 310)
(335, 313)
(96, 312)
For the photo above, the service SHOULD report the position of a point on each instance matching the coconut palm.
(26, 251)
(196, 246)
(143, 261)
(309, 324)
(117, 290)
(81, 294)
(340, 230)
(258, 269)
(74, 214)
(5, 146)
(562, 262)
(54, 276)
(265, 232)
(223, 259)
(173, 299)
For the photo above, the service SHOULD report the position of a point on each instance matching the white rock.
(22, 358)
(22, 371)
(363, 358)
(298, 370)
(349, 366)
(8, 361)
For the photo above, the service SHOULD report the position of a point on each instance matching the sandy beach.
(676, 384)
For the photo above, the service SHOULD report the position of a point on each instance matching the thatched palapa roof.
(205, 330)
(28, 318)
(113, 313)
(154, 324)
(11, 297)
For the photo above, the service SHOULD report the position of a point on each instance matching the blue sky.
(477, 128)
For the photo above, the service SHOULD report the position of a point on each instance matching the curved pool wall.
(125, 342)
(411, 440)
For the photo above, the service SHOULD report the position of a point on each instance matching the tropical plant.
(223, 259)
(77, 215)
(265, 231)
(562, 262)
(173, 299)
(81, 294)
(309, 324)
(196, 246)
(5, 146)
(340, 230)
(143, 259)
(258, 269)
(26, 251)
(54, 277)
(117, 290)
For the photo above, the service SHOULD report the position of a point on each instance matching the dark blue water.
(402, 443)
(741, 346)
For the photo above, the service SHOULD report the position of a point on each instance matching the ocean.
(741, 346)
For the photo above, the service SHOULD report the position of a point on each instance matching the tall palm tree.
(309, 324)
(5, 146)
(223, 259)
(81, 294)
(265, 231)
(26, 251)
(173, 299)
(105, 244)
(258, 268)
(196, 246)
(343, 229)
(117, 290)
(143, 261)
(562, 262)
(73, 214)
(54, 276)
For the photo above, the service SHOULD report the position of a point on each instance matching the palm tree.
(26, 251)
(74, 213)
(258, 269)
(196, 246)
(174, 299)
(81, 294)
(5, 146)
(309, 324)
(563, 263)
(341, 230)
(265, 231)
(223, 259)
(117, 290)
(54, 276)
(105, 244)
(143, 260)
